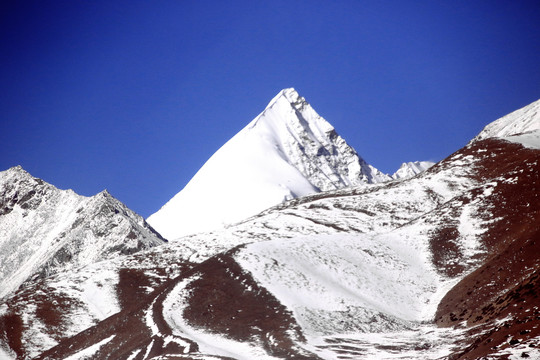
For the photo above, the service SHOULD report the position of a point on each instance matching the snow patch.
(7, 354)
(410, 169)
(527, 349)
(90, 352)
(99, 297)
(424, 343)
(339, 283)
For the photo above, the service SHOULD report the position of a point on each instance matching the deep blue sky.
(134, 96)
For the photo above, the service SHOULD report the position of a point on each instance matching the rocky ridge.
(44, 230)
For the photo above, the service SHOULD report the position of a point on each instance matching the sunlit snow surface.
(412, 168)
(524, 120)
(521, 126)
(340, 283)
(530, 139)
(286, 152)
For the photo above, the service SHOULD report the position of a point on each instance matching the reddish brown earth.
(12, 327)
(226, 300)
(505, 287)
(53, 309)
(130, 331)
(214, 304)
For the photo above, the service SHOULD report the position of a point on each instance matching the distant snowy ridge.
(412, 168)
(44, 229)
(286, 152)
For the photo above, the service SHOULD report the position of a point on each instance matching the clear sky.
(134, 96)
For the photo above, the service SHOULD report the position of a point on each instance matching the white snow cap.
(286, 152)
(524, 120)
(412, 168)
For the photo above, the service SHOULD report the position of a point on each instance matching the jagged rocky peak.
(19, 188)
(287, 151)
(44, 230)
(312, 145)
(294, 98)
(13, 171)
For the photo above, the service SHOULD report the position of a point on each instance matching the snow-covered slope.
(412, 168)
(521, 121)
(521, 126)
(44, 230)
(286, 152)
(353, 273)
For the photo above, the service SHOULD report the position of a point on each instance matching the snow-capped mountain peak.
(300, 132)
(287, 151)
(412, 168)
(44, 229)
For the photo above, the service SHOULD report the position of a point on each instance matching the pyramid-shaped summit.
(287, 151)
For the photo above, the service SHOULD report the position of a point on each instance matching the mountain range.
(322, 256)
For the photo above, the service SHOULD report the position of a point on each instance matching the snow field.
(425, 342)
(339, 277)
(530, 140)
